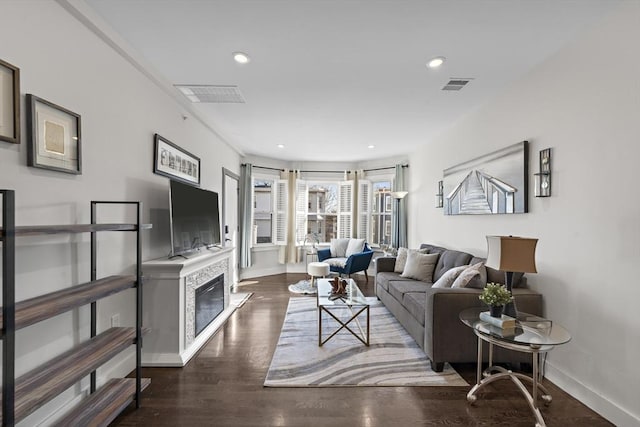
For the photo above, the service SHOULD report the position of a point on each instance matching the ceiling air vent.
(212, 93)
(456, 84)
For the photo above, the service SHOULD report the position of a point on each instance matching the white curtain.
(246, 207)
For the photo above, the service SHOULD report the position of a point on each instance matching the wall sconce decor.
(543, 177)
(439, 196)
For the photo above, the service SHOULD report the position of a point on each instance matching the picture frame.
(9, 103)
(495, 183)
(174, 162)
(54, 139)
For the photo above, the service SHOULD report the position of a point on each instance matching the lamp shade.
(399, 194)
(515, 254)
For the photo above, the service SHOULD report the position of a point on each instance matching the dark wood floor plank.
(222, 385)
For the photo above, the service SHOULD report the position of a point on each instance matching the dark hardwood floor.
(222, 385)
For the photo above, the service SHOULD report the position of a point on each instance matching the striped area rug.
(392, 359)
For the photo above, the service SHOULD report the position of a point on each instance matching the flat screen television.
(195, 218)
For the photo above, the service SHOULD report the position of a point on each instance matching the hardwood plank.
(223, 385)
(42, 384)
(43, 307)
(103, 406)
(37, 230)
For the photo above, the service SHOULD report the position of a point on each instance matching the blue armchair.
(353, 264)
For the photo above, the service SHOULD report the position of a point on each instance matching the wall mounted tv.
(195, 218)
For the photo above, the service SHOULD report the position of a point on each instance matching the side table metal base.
(495, 373)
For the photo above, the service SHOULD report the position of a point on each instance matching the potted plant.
(495, 295)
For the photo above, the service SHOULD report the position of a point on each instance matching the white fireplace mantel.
(169, 305)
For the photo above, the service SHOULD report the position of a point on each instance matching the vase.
(496, 310)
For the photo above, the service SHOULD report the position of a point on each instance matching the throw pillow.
(447, 279)
(465, 277)
(355, 246)
(401, 258)
(479, 281)
(338, 248)
(420, 266)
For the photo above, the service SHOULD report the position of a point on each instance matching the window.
(263, 210)
(322, 215)
(381, 213)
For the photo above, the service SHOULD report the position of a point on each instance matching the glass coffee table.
(353, 302)
(532, 334)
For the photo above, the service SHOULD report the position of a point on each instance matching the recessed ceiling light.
(436, 62)
(241, 57)
(280, 145)
(371, 146)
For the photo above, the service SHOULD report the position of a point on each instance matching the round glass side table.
(532, 334)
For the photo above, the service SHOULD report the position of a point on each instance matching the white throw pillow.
(447, 279)
(339, 248)
(465, 277)
(420, 266)
(401, 260)
(355, 246)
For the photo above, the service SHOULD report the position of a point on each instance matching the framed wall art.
(174, 162)
(496, 183)
(9, 103)
(53, 137)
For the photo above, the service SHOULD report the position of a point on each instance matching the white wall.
(63, 62)
(584, 103)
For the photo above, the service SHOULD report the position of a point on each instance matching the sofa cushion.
(383, 278)
(447, 279)
(415, 303)
(467, 275)
(397, 289)
(339, 248)
(449, 259)
(355, 246)
(432, 249)
(479, 281)
(420, 266)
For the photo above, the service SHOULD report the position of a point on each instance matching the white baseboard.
(606, 408)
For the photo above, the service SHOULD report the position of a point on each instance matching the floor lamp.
(511, 255)
(398, 196)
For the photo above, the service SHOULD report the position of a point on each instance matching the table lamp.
(511, 255)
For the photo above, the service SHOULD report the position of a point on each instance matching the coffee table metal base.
(362, 336)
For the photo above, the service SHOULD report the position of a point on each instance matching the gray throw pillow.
(465, 277)
(420, 266)
(447, 279)
(479, 281)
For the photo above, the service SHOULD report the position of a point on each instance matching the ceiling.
(328, 78)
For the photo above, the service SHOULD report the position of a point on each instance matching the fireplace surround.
(171, 290)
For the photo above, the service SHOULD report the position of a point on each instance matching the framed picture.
(174, 162)
(9, 103)
(496, 183)
(53, 137)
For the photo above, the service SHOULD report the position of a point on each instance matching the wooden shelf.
(42, 384)
(103, 406)
(38, 230)
(43, 307)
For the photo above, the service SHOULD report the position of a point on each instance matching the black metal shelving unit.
(18, 396)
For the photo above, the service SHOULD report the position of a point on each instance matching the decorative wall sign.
(495, 183)
(9, 103)
(174, 162)
(53, 137)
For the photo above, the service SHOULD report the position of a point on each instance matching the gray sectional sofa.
(430, 315)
